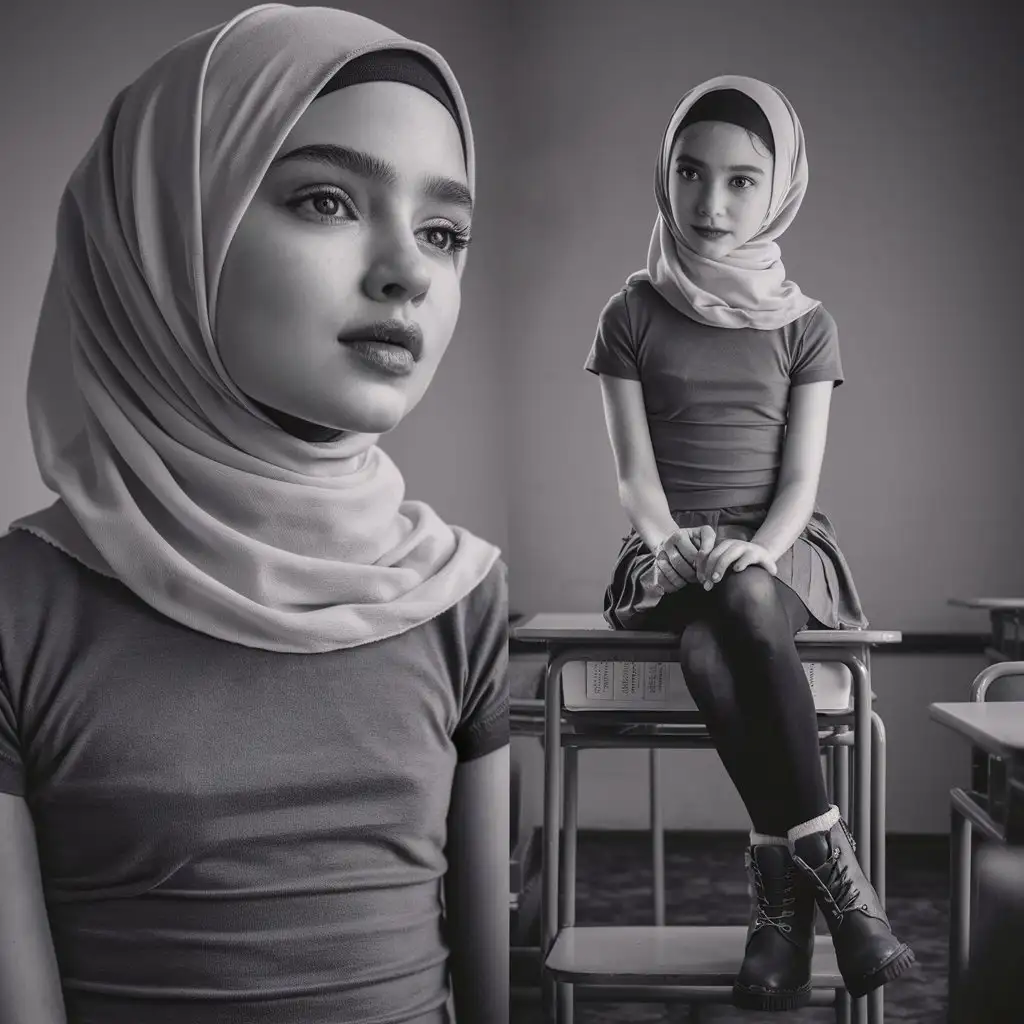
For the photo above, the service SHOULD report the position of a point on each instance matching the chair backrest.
(1003, 681)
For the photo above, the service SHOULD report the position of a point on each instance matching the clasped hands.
(691, 555)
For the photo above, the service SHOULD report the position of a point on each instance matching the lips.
(709, 232)
(400, 333)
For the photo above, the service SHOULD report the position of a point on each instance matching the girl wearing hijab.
(253, 704)
(717, 375)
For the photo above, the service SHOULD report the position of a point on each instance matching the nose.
(398, 273)
(711, 200)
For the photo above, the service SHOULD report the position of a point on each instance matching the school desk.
(659, 963)
(1005, 614)
(996, 729)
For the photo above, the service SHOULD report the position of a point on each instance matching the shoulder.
(817, 324)
(30, 567)
(814, 330)
(822, 321)
(484, 609)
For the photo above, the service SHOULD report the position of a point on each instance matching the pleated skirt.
(814, 568)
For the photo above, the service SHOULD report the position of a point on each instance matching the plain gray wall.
(62, 62)
(909, 234)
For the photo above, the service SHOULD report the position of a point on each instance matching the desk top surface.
(990, 604)
(588, 627)
(996, 726)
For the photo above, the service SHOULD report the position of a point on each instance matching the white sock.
(822, 823)
(757, 839)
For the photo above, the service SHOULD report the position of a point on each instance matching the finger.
(677, 559)
(753, 557)
(683, 543)
(668, 571)
(712, 570)
(705, 547)
(707, 540)
(724, 561)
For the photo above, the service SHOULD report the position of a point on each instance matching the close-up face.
(720, 186)
(340, 292)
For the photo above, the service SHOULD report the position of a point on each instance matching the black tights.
(746, 678)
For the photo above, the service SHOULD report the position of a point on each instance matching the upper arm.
(30, 990)
(626, 418)
(483, 724)
(479, 812)
(477, 888)
(806, 433)
(479, 827)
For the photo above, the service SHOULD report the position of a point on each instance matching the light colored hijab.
(170, 479)
(748, 286)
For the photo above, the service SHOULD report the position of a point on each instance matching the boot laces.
(844, 893)
(764, 917)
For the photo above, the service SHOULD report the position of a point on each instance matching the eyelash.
(750, 183)
(458, 235)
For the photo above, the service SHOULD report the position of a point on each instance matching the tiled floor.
(706, 884)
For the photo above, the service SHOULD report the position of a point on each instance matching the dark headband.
(397, 66)
(732, 107)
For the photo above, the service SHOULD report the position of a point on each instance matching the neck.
(304, 430)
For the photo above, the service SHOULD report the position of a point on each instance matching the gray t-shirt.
(236, 835)
(716, 397)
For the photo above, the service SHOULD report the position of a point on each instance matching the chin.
(376, 420)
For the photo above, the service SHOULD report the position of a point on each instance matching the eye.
(686, 173)
(445, 239)
(327, 204)
(743, 183)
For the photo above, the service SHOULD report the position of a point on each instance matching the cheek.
(282, 278)
(676, 196)
(758, 209)
(444, 307)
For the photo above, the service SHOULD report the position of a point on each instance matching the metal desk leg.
(841, 776)
(841, 786)
(842, 1007)
(552, 823)
(862, 761)
(876, 999)
(959, 900)
(657, 838)
(571, 804)
(861, 823)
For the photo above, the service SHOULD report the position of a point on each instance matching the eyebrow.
(373, 168)
(739, 168)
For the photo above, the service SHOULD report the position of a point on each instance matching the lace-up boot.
(776, 969)
(868, 953)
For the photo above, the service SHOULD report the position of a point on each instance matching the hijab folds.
(748, 286)
(169, 478)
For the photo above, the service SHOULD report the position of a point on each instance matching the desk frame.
(561, 794)
(994, 807)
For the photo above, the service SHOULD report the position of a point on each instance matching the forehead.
(716, 142)
(391, 120)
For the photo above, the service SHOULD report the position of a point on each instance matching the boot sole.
(899, 962)
(767, 999)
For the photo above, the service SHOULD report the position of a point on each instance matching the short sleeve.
(817, 353)
(483, 724)
(12, 772)
(614, 348)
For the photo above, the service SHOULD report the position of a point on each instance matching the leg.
(760, 615)
(714, 691)
(776, 968)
